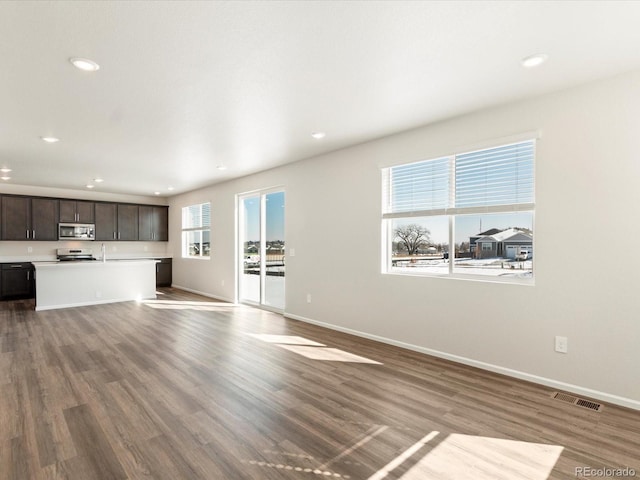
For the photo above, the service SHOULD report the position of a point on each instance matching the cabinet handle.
(33, 237)
(28, 275)
(118, 235)
(27, 233)
(114, 235)
(16, 266)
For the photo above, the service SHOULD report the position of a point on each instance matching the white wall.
(91, 195)
(587, 192)
(33, 251)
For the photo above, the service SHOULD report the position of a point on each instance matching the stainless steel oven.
(74, 254)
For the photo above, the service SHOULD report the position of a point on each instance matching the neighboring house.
(474, 239)
(275, 247)
(507, 243)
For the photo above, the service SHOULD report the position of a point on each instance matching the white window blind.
(196, 216)
(419, 186)
(475, 181)
(496, 176)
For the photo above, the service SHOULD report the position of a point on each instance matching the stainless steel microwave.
(76, 231)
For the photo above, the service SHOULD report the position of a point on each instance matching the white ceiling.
(186, 86)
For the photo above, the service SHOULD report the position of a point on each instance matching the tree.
(462, 247)
(413, 237)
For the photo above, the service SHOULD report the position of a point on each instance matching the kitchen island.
(75, 284)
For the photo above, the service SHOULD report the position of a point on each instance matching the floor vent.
(580, 402)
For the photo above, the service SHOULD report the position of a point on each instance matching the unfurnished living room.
(362, 240)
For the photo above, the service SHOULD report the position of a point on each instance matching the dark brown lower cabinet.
(16, 281)
(163, 272)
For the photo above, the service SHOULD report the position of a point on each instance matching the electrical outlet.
(292, 252)
(222, 283)
(98, 294)
(562, 344)
(308, 298)
(29, 249)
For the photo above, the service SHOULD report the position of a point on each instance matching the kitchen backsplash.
(42, 251)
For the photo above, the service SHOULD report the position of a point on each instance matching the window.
(196, 231)
(470, 213)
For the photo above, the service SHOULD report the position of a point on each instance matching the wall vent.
(580, 402)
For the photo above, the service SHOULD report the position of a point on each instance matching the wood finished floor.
(184, 389)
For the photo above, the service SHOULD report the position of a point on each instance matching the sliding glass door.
(250, 249)
(262, 249)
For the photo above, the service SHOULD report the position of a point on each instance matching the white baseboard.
(204, 294)
(549, 382)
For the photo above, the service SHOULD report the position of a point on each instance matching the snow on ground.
(497, 267)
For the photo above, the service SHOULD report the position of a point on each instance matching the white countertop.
(52, 258)
(94, 263)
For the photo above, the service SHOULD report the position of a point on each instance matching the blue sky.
(274, 213)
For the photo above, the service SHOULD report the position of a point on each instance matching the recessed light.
(5, 178)
(84, 64)
(98, 180)
(5, 170)
(221, 167)
(90, 186)
(50, 139)
(318, 135)
(534, 60)
(156, 193)
(170, 188)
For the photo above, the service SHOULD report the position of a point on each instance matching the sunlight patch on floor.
(187, 305)
(285, 339)
(328, 354)
(311, 349)
(400, 459)
(296, 468)
(468, 456)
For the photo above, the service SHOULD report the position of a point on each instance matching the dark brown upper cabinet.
(106, 221)
(77, 211)
(153, 223)
(29, 218)
(127, 222)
